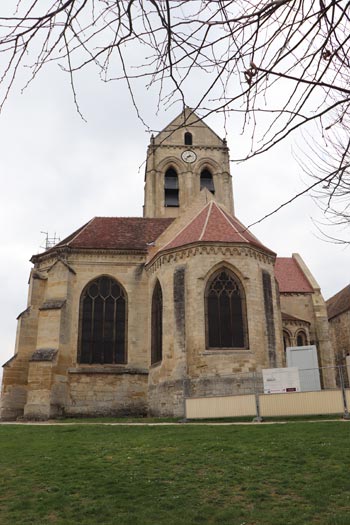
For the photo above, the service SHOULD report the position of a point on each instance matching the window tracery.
(225, 309)
(103, 322)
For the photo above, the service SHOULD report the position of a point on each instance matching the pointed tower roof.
(211, 224)
(188, 119)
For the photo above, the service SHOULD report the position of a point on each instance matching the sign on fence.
(281, 380)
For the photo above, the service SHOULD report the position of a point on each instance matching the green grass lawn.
(289, 474)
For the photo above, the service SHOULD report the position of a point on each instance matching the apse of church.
(131, 315)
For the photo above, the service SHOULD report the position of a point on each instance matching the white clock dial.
(188, 156)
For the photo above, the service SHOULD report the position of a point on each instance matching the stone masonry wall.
(15, 376)
(107, 394)
(339, 328)
(207, 370)
(165, 151)
(52, 322)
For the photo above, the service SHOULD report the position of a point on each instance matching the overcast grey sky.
(57, 172)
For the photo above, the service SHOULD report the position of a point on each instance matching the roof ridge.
(185, 226)
(82, 230)
(245, 228)
(334, 296)
(206, 220)
(126, 217)
(339, 302)
(186, 121)
(230, 223)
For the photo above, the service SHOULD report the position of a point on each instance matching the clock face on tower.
(188, 156)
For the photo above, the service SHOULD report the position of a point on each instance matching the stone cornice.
(53, 304)
(191, 250)
(103, 369)
(294, 322)
(287, 294)
(182, 147)
(62, 254)
(44, 354)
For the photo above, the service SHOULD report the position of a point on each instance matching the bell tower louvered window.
(103, 322)
(207, 181)
(157, 324)
(225, 311)
(171, 188)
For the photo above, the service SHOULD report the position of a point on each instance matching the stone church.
(131, 315)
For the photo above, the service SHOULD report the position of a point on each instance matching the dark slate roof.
(290, 276)
(213, 224)
(339, 303)
(115, 233)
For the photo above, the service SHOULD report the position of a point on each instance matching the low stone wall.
(107, 394)
(166, 399)
(12, 402)
(224, 385)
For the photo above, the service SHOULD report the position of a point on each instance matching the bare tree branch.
(284, 64)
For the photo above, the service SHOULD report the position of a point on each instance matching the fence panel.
(347, 394)
(301, 403)
(221, 406)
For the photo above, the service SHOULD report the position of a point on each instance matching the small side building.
(338, 308)
(304, 312)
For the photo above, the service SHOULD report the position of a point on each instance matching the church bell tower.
(184, 158)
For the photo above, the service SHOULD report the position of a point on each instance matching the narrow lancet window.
(171, 188)
(225, 311)
(207, 180)
(188, 138)
(157, 324)
(103, 322)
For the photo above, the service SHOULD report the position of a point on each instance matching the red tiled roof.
(118, 233)
(290, 276)
(213, 224)
(339, 303)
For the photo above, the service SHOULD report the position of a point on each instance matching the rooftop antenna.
(50, 242)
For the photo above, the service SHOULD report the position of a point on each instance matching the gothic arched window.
(301, 338)
(225, 311)
(188, 138)
(157, 324)
(171, 188)
(207, 180)
(103, 322)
